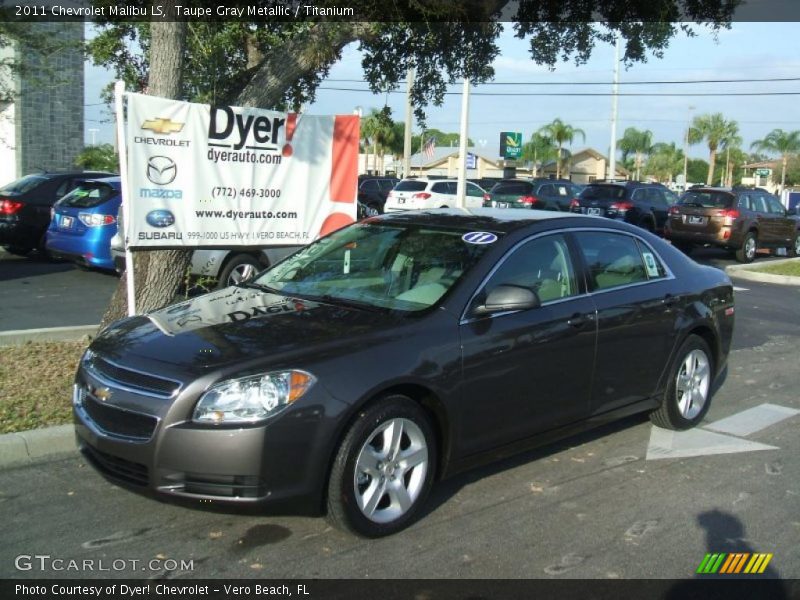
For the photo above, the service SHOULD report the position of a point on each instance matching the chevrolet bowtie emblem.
(162, 126)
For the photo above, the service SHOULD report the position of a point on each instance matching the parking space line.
(665, 443)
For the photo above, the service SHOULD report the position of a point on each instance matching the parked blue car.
(83, 223)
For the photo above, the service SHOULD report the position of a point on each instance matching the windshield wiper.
(257, 286)
(350, 302)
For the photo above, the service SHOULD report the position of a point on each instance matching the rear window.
(88, 195)
(25, 184)
(603, 192)
(411, 186)
(512, 189)
(708, 199)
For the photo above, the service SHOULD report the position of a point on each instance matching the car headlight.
(252, 399)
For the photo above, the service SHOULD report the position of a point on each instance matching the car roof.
(491, 219)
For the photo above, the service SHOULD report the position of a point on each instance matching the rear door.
(636, 314)
(767, 234)
(443, 195)
(783, 227)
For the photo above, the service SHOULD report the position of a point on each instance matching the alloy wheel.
(692, 383)
(390, 470)
(240, 273)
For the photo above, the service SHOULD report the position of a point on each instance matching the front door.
(528, 371)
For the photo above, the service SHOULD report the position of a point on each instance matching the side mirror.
(507, 298)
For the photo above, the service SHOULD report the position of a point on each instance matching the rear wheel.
(794, 249)
(688, 394)
(383, 469)
(747, 252)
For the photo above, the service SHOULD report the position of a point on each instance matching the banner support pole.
(119, 91)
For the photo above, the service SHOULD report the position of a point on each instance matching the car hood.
(235, 326)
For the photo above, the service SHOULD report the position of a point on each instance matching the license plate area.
(501, 204)
(594, 211)
(694, 220)
(66, 222)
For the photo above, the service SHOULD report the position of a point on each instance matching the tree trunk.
(558, 163)
(157, 274)
(783, 173)
(712, 159)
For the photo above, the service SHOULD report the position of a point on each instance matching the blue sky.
(746, 51)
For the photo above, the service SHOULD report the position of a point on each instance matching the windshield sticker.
(479, 237)
(650, 263)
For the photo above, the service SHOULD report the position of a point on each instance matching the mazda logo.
(161, 170)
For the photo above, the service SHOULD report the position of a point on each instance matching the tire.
(237, 269)
(368, 502)
(747, 252)
(647, 225)
(444, 206)
(794, 249)
(686, 402)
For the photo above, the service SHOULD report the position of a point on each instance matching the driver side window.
(542, 265)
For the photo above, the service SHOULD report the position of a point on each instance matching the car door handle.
(669, 301)
(577, 320)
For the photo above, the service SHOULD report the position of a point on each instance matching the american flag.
(429, 147)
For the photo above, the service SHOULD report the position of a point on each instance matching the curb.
(752, 273)
(49, 334)
(24, 447)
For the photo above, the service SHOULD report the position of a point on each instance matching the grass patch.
(788, 268)
(36, 384)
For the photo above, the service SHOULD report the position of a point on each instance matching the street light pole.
(686, 148)
(612, 151)
(461, 189)
(407, 133)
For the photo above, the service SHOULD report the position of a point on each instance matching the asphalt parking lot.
(624, 501)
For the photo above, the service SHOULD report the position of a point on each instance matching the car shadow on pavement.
(444, 490)
(14, 267)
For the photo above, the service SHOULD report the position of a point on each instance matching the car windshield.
(603, 192)
(20, 186)
(87, 195)
(380, 266)
(707, 199)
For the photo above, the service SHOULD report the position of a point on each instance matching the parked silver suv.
(227, 265)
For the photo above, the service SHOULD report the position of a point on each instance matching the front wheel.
(239, 268)
(383, 469)
(688, 394)
(747, 252)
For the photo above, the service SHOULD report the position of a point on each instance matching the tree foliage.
(102, 157)
(784, 143)
(561, 134)
(717, 132)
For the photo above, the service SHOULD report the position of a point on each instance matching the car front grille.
(136, 380)
(116, 421)
(116, 467)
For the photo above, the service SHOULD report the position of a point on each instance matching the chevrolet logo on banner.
(164, 126)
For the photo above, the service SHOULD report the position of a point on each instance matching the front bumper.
(150, 444)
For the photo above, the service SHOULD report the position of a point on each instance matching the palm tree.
(717, 132)
(785, 143)
(539, 149)
(561, 133)
(665, 161)
(377, 130)
(638, 143)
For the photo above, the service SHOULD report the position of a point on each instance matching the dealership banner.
(201, 175)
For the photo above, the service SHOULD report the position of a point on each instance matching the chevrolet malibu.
(402, 349)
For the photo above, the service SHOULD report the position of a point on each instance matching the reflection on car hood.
(234, 325)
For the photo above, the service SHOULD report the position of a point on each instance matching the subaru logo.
(160, 218)
(161, 170)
